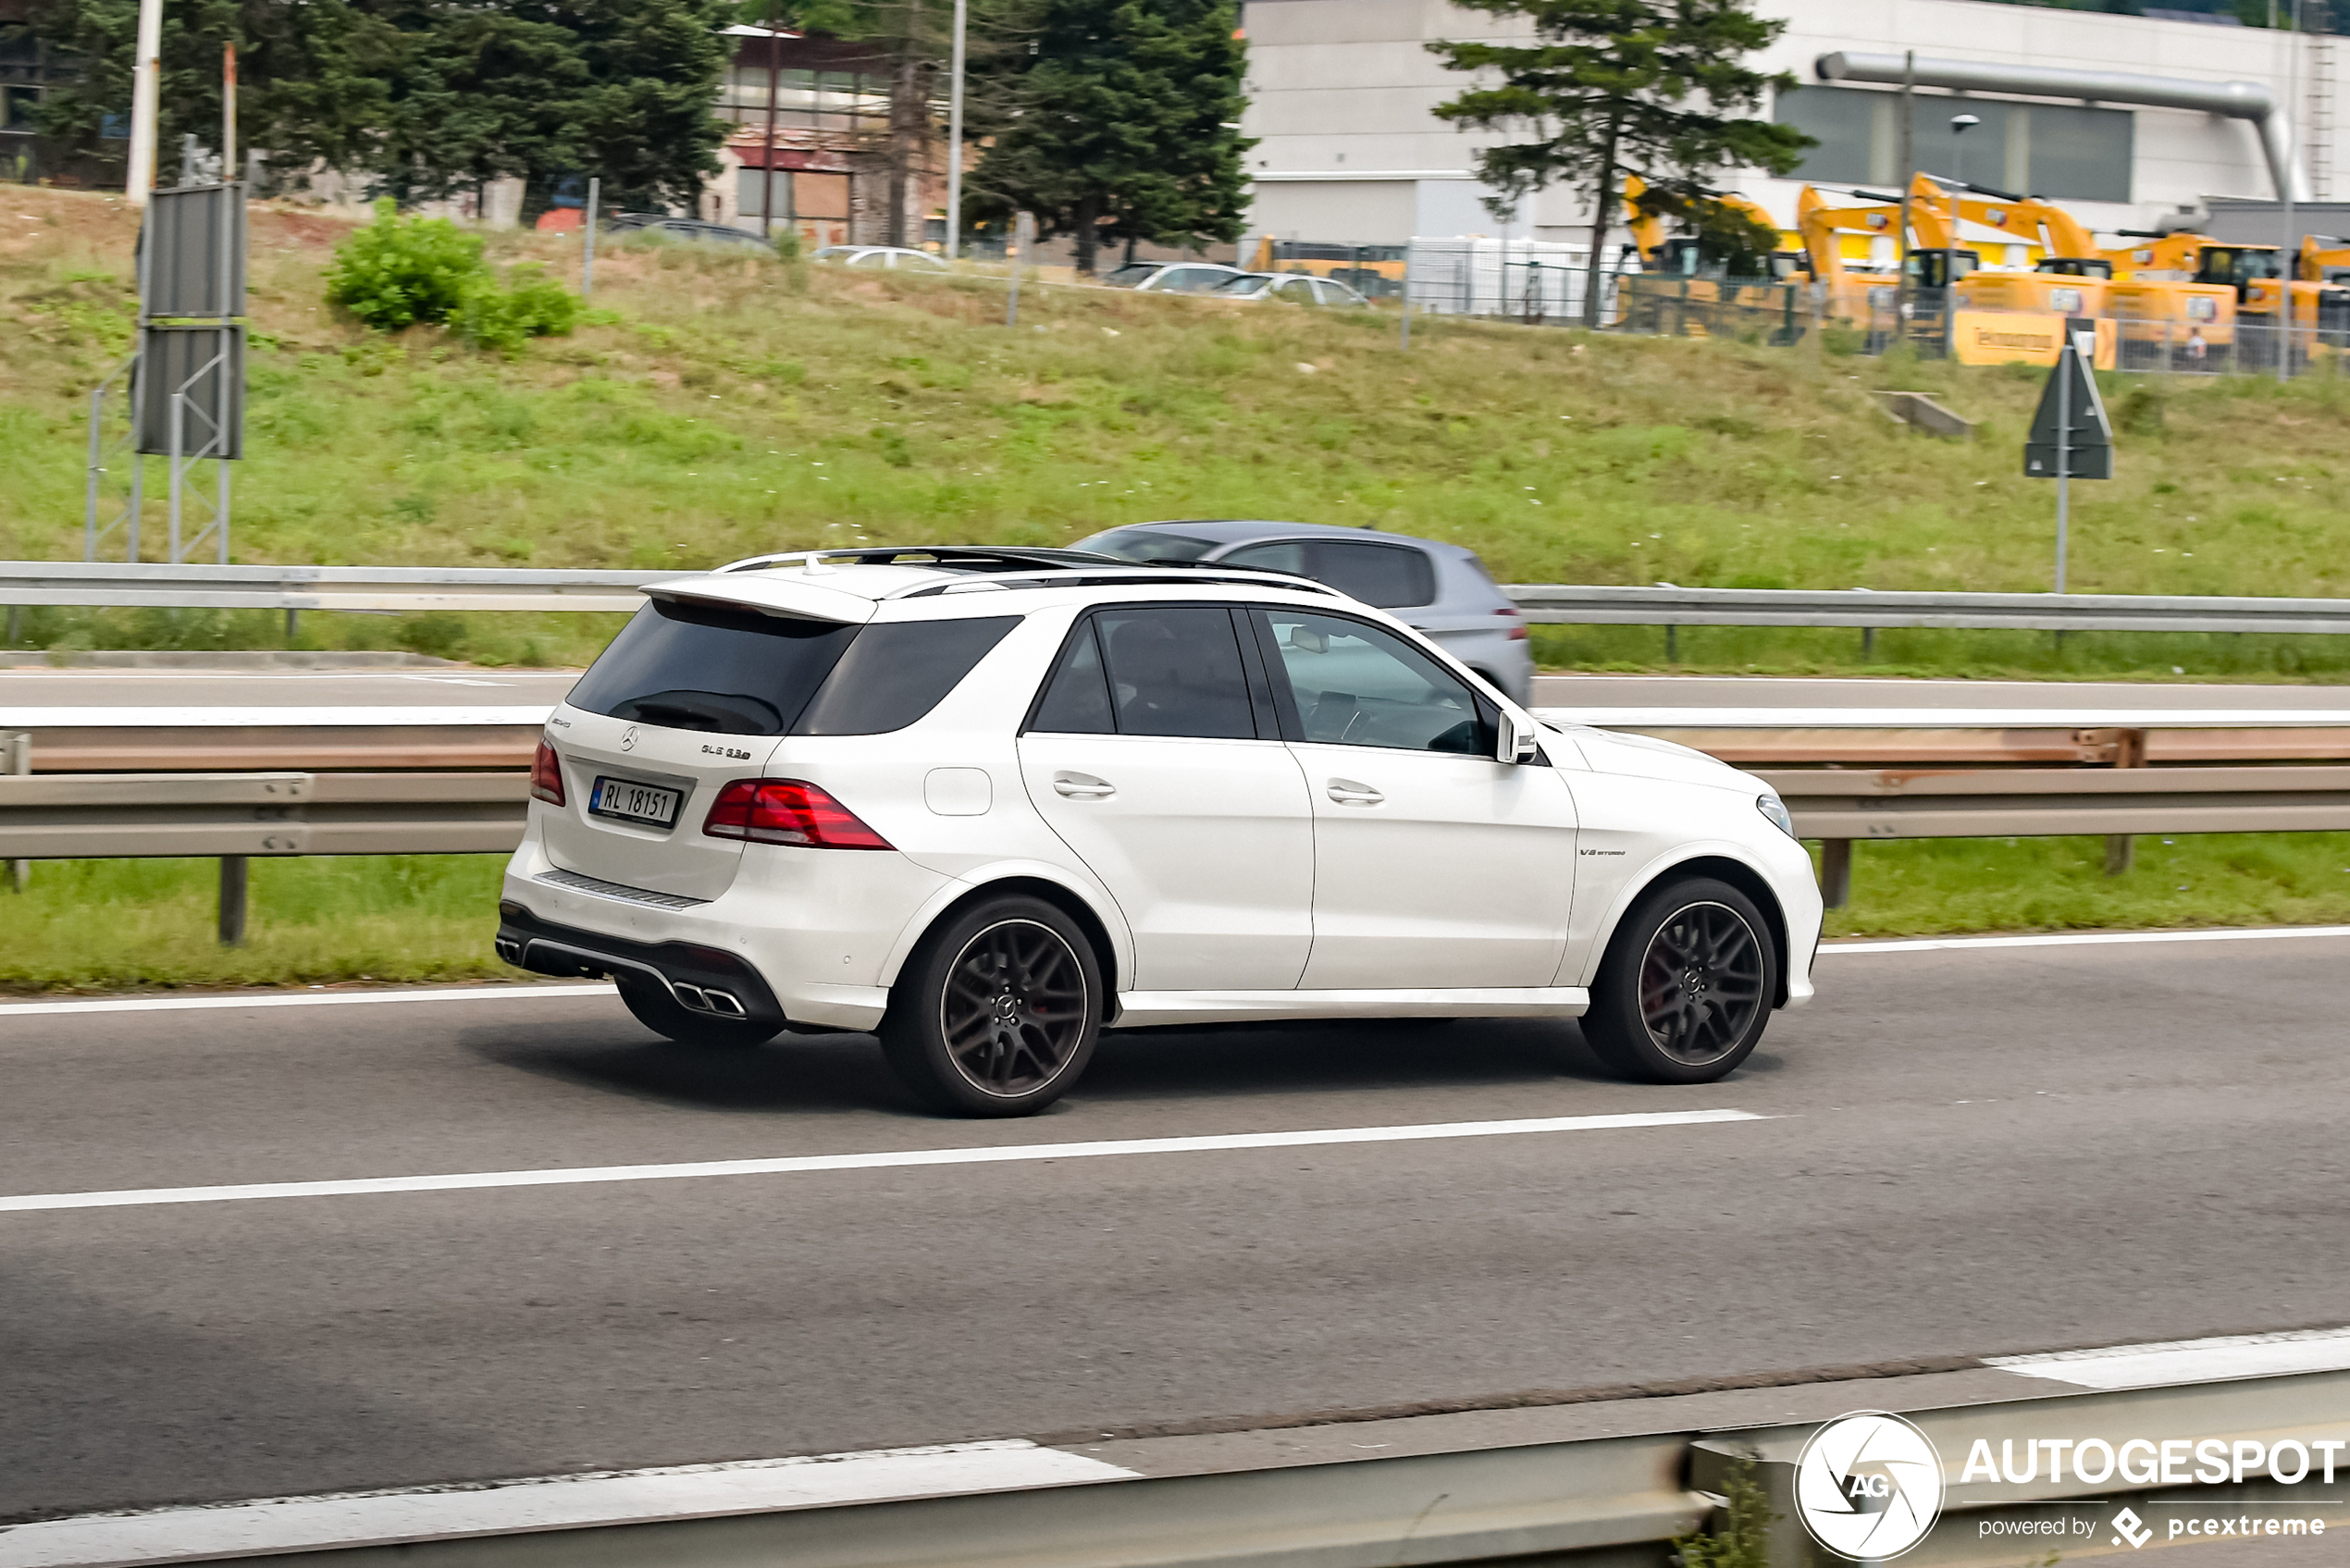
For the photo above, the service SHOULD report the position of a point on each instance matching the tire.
(997, 1011)
(658, 1011)
(1687, 985)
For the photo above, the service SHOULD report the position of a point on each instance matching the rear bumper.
(702, 980)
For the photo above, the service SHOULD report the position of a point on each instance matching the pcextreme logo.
(1868, 1486)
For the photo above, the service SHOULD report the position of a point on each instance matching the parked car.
(1170, 277)
(1291, 287)
(690, 229)
(881, 255)
(1442, 590)
(990, 802)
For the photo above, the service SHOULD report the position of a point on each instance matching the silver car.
(1290, 288)
(1170, 277)
(1440, 590)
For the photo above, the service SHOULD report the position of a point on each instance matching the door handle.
(1083, 786)
(1346, 792)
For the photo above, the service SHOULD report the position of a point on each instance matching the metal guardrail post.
(1835, 872)
(16, 757)
(2129, 751)
(235, 872)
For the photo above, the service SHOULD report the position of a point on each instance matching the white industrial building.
(2125, 120)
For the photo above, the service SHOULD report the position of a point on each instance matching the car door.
(1151, 755)
(1435, 867)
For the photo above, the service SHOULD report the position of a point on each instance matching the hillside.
(724, 405)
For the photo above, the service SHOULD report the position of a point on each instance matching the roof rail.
(1150, 574)
(967, 558)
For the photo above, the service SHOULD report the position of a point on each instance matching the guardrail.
(1608, 1500)
(99, 584)
(240, 782)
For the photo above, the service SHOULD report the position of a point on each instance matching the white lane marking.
(544, 1503)
(303, 999)
(884, 1160)
(2188, 1361)
(2084, 939)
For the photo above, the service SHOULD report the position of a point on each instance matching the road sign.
(2070, 436)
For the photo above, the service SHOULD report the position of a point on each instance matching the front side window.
(708, 667)
(1191, 280)
(1356, 684)
(1147, 544)
(1166, 671)
(1126, 276)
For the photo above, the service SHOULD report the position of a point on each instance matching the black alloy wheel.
(1687, 985)
(997, 1012)
(1702, 983)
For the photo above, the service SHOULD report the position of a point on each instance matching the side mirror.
(1517, 740)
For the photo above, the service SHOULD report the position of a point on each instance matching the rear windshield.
(1148, 544)
(697, 667)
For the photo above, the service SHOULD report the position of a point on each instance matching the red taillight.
(1517, 634)
(546, 776)
(787, 811)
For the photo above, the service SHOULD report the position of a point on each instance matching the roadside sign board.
(2070, 436)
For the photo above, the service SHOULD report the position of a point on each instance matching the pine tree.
(1124, 127)
(1617, 87)
(429, 97)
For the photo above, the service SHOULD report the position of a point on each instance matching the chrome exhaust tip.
(692, 997)
(723, 1002)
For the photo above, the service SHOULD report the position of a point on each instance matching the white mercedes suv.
(987, 803)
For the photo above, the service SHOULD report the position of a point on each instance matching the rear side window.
(1172, 670)
(1385, 577)
(896, 671)
(704, 667)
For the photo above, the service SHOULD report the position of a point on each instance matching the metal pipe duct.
(2237, 100)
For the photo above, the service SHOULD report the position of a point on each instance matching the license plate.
(633, 802)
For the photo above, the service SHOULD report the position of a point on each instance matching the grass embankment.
(113, 925)
(732, 404)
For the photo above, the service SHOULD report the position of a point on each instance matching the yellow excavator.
(1682, 270)
(2072, 277)
(1854, 296)
(2253, 274)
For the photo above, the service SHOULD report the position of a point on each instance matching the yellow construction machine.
(2252, 275)
(1864, 295)
(1685, 281)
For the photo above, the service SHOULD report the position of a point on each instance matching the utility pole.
(955, 139)
(2288, 244)
(146, 99)
(774, 73)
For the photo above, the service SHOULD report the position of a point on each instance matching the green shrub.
(399, 271)
(503, 319)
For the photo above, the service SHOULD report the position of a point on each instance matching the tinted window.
(1148, 544)
(1387, 576)
(1077, 700)
(1175, 672)
(700, 667)
(896, 671)
(1289, 557)
(1126, 276)
(1359, 685)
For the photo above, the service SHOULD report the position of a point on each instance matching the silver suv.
(1439, 590)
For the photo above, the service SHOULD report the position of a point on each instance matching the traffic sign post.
(2070, 436)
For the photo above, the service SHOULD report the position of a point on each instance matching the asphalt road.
(1966, 1151)
(24, 687)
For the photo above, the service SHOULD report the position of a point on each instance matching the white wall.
(1346, 88)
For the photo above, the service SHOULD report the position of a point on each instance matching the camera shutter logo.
(1868, 1486)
